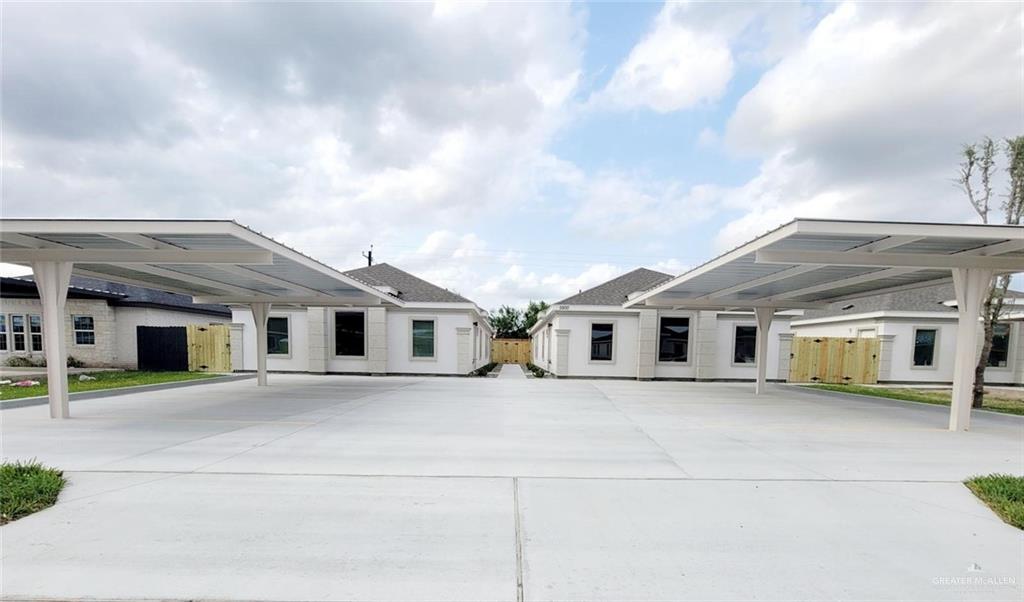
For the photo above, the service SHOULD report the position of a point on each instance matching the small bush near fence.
(483, 370)
(538, 372)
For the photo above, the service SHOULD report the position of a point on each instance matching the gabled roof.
(939, 298)
(409, 287)
(127, 295)
(616, 290)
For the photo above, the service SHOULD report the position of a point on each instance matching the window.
(35, 329)
(18, 331)
(277, 336)
(1000, 355)
(744, 349)
(601, 342)
(85, 330)
(350, 333)
(423, 338)
(673, 339)
(3, 332)
(924, 347)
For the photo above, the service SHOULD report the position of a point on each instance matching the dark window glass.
(277, 336)
(924, 347)
(35, 329)
(18, 330)
(3, 332)
(745, 348)
(83, 323)
(672, 339)
(85, 332)
(349, 333)
(601, 342)
(423, 338)
(1000, 354)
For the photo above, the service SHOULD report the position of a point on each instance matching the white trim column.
(52, 281)
(260, 313)
(972, 284)
(764, 317)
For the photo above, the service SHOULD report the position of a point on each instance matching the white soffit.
(214, 261)
(811, 263)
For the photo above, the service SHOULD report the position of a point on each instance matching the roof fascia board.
(883, 229)
(879, 315)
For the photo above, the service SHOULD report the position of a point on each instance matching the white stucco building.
(918, 332)
(433, 331)
(100, 320)
(591, 334)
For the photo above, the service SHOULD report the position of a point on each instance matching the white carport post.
(764, 317)
(52, 281)
(260, 313)
(972, 284)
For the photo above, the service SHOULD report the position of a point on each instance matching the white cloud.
(517, 285)
(692, 51)
(865, 119)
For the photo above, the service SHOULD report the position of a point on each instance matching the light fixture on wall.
(847, 307)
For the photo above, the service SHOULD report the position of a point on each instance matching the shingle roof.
(127, 295)
(616, 290)
(409, 287)
(930, 298)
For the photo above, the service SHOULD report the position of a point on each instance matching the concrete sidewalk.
(512, 372)
(386, 488)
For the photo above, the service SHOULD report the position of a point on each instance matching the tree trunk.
(978, 394)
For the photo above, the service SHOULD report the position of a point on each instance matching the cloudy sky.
(512, 151)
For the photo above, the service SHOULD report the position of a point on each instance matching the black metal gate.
(162, 348)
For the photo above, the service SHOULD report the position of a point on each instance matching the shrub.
(22, 361)
(27, 487)
(483, 370)
(538, 372)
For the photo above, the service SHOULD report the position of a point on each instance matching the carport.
(814, 263)
(214, 261)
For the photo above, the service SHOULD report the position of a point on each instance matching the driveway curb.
(25, 402)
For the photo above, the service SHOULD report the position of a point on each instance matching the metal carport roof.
(812, 263)
(214, 261)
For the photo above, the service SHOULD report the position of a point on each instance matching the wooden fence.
(510, 351)
(834, 360)
(209, 348)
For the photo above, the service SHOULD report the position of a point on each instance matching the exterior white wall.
(126, 319)
(398, 341)
(298, 342)
(114, 328)
(445, 360)
(901, 367)
(717, 350)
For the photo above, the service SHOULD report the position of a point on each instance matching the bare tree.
(975, 179)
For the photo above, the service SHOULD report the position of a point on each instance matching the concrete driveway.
(351, 488)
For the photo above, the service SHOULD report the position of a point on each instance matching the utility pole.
(369, 256)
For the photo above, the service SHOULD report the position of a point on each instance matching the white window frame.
(75, 331)
(334, 334)
(732, 352)
(689, 341)
(590, 341)
(935, 348)
(24, 333)
(28, 327)
(412, 356)
(291, 341)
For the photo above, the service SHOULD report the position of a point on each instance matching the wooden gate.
(209, 348)
(834, 360)
(510, 351)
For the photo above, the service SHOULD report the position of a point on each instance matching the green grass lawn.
(1006, 403)
(104, 380)
(1003, 493)
(27, 487)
